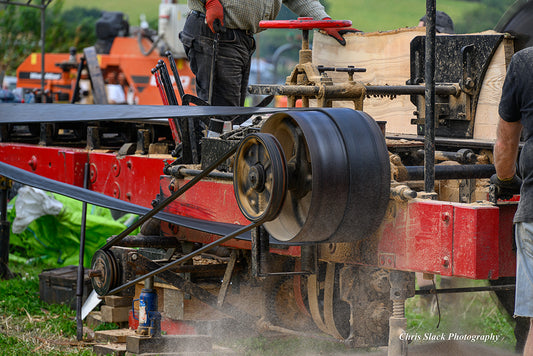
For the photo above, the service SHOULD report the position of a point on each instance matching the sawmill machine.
(313, 218)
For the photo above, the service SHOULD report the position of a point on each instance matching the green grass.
(133, 8)
(30, 326)
(379, 15)
(366, 15)
(464, 314)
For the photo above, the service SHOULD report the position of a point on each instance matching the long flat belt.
(36, 113)
(95, 198)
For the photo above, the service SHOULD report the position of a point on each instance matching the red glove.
(337, 32)
(214, 15)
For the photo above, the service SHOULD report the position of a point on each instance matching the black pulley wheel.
(104, 271)
(260, 177)
(339, 175)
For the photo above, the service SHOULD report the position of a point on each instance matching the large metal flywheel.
(338, 175)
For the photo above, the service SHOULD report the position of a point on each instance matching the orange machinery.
(125, 56)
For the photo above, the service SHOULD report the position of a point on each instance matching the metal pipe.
(410, 90)
(181, 171)
(306, 90)
(43, 9)
(465, 290)
(429, 143)
(466, 171)
(174, 69)
(149, 241)
(5, 273)
(81, 271)
(167, 83)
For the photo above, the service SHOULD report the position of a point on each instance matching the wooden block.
(137, 344)
(114, 314)
(118, 301)
(117, 336)
(94, 319)
(110, 349)
(173, 304)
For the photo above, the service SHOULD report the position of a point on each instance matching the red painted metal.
(62, 164)
(305, 23)
(131, 178)
(451, 239)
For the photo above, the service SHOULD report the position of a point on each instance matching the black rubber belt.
(71, 191)
(37, 113)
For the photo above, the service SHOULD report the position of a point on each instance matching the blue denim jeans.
(524, 270)
(234, 54)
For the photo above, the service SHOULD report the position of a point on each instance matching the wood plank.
(95, 74)
(487, 116)
(386, 56)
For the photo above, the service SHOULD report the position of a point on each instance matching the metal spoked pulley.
(105, 272)
(260, 177)
(339, 175)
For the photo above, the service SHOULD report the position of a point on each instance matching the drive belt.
(99, 199)
(38, 113)
(95, 198)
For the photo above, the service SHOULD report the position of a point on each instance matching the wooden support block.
(137, 344)
(110, 349)
(94, 319)
(114, 314)
(173, 304)
(118, 301)
(117, 336)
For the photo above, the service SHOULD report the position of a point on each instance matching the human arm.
(506, 148)
(505, 183)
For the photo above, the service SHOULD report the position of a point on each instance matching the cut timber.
(386, 57)
(110, 349)
(169, 343)
(117, 301)
(117, 336)
(491, 91)
(114, 314)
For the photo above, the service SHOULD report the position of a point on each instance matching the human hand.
(338, 32)
(214, 15)
(505, 188)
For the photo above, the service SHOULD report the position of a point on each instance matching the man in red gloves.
(233, 23)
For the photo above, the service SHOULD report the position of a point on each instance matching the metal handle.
(304, 23)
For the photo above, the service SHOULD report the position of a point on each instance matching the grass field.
(379, 15)
(366, 15)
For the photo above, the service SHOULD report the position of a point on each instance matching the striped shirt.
(245, 15)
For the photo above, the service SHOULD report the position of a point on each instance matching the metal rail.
(504, 287)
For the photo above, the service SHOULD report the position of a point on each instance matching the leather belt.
(37, 113)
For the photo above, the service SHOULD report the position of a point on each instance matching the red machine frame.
(451, 239)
